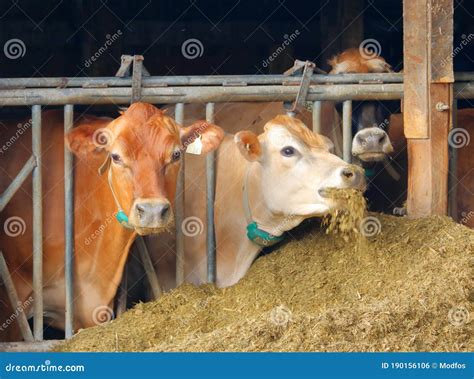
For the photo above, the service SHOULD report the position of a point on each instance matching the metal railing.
(171, 90)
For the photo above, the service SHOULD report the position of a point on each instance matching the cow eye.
(116, 158)
(288, 151)
(176, 156)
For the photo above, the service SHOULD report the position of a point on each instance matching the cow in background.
(382, 155)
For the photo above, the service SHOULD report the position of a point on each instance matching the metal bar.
(205, 94)
(37, 226)
(464, 91)
(15, 185)
(148, 266)
(317, 116)
(69, 225)
(14, 301)
(160, 81)
(211, 192)
(122, 292)
(453, 169)
(300, 101)
(347, 130)
(137, 78)
(179, 206)
(23, 347)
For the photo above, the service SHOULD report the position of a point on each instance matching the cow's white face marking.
(294, 173)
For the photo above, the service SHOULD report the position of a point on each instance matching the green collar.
(122, 218)
(258, 236)
(369, 172)
(261, 237)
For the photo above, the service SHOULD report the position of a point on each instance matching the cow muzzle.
(352, 177)
(151, 215)
(348, 176)
(371, 144)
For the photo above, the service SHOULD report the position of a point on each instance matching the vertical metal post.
(37, 225)
(347, 130)
(148, 267)
(69, 225)
(179, 206)
(14, 301)
(317, 116)
(453, 169)
(211, 191)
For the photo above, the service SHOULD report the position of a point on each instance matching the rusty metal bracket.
(307, 68)
(138, 72)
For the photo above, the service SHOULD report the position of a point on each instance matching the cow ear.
(249, 145)
(327, 143)
(210, 135)
(86, 139)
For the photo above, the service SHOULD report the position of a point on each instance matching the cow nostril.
(140, 209)
(382, 139)
(347, 173)
(164, 210)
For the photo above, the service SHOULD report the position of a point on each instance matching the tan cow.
(275, 180)
(139, 155)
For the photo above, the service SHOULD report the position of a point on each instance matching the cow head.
(297, 167)
(371, 142)
(144, 148)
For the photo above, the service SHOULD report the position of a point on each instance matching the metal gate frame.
(38, 92)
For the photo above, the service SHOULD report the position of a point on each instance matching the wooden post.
(428, 77)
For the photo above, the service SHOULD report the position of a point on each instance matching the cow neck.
(261, 227)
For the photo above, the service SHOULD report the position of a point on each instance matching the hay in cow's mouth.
(346, 217)
(409, 289)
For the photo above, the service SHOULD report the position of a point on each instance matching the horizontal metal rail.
(172, 95)
(221, 80)
(204, 80)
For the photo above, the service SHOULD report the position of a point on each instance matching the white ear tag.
(195, 147)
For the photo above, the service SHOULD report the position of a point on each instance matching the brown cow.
(139, 155)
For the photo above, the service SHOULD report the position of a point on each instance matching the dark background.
(237, 36)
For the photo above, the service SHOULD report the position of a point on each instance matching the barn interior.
(86, 38)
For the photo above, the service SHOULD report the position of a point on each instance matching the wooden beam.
(428, 78)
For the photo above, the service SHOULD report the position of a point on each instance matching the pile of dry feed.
(409, 287)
